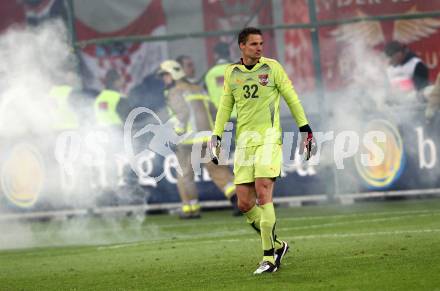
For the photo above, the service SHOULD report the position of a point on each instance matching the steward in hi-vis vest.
(111, 107)
(105, 108)
(214, 78)
(63, 115)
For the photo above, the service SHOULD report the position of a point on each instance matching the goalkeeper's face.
(253, 47)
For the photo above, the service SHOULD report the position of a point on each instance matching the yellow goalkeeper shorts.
(262, 161)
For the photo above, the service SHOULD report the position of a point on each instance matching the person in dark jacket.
(406, 71)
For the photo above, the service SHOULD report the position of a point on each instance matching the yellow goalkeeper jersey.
(256, 94)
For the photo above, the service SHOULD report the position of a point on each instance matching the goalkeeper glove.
(214, 148)
(308, 145)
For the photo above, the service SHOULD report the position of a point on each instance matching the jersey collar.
(242, 68)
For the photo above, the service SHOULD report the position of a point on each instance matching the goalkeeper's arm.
(223, 114)
(225, 107)
(308, 145)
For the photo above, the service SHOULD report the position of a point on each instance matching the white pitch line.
(119, 246)
(332, 235)
(423, 213)
(245, 230)
(339, 235)
(299, 218)
(314, 226)
(354, 221)
(141, 230)
(297, 237)
(216, 235)
(344, 235)
(361, 214)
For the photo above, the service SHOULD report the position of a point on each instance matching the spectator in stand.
(406, 71)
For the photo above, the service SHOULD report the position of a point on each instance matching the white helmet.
(173, 68)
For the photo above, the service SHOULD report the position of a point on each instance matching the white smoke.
(367, 95)
(34, 60)
(363, 69)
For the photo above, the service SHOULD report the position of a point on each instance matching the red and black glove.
(308, 145)
(214, 148)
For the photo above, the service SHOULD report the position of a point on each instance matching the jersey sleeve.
(226, 105)
(286, 89)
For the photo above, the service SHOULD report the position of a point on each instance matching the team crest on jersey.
(264, 79)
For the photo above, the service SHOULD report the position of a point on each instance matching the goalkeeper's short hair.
(245, 32)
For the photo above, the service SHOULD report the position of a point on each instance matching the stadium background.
(334, 60)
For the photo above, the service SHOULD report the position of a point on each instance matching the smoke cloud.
(41, 164)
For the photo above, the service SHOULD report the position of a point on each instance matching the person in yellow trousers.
(188, 104)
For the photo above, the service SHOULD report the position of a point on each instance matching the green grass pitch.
(367, 246)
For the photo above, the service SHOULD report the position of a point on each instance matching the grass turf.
(367, 246)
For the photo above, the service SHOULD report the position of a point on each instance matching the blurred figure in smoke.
(149, 93)
(406, 72)
(80, 99)
(38, 11)
(111, 108)
(215, 76)
(64, 114)
(189, 106)
(187, 64)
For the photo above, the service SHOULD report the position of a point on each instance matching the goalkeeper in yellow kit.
(255, 85)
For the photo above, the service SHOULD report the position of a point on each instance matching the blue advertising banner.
(97, 168)
(410, 154)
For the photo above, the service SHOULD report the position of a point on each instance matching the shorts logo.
(264, 79)
(239, 81)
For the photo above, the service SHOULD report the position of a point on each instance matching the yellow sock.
(267, 227)
(186, 208)
(253, 217)
(229, 190)
(194, 205)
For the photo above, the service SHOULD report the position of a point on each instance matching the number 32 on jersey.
(250, 91)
